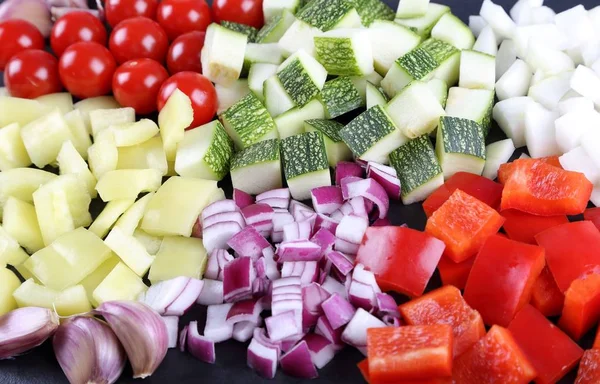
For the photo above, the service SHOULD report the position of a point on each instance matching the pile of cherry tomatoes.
(152, 49)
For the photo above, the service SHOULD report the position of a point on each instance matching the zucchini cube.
(460, 146)
(335, 147)
(291, 122)
(477, 70)
(472, 104)
(424, 24)
(276, 27)
(345, 52)
(223, 54)
(302, 77)
(453, 31)
(257, 169)
(341, 96)
(389, 41)
(373, 10)
(330, 14)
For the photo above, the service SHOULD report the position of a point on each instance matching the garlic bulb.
(24, 329)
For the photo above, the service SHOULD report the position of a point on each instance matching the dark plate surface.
(40, 366)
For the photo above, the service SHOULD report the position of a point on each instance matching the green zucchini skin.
(362, 133)
(325, 14)
(219, 153)
(461, 136)
(340, 96)
(298, 83)
(371, 10)
(247, 30)
(303, 153)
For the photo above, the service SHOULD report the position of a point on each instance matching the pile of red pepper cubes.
(543, 266)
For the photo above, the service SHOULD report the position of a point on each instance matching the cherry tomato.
(136, 84)
(180, 16)
(86, 69)
(32, 73)
(75, 27)
(138, 38)
(249, 12)
(119, 10)
(198, 88)
(17, 36)
(184, 53)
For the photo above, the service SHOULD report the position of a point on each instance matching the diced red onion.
(282, 326)
(160, 295)
(359, 206)
(286, 296)
(308, 271)
(344, 185)
(275, 202)
(325, 222)
(338, 310)
(217, 236)
(183, 338)
(368, 189)
(249, 242)
(298, 363)
(324, 239)
(322, 351)
(361, 295)
(390, 183)
(364, 276)
(260, 266)
(298, 250)
(217, 260)
(243, 311)
(344, 169)
(272, 271)
(325, 329)
(301, 211)
(346, 247)
(221, 206)
(243, 331)
(260, 287)
(260, 334)
(286, 282)
(212, 293)
(297, 231)
(201, 347)
(381, 167)
(217, 328)
(242, 199)
(265, 228)
(237, 279)
(326, 200)
(340, 262)
(172, 323)
(257, 213)
(262, 359)
(281, 193)
(280, 219)
(312, 298)
(186, 299)
(332, 286)
(386, 305)
(355, 333)
(223, 218)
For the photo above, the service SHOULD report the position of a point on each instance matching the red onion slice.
(338, 260)
(262, 359)
(332, 286)
(299, 250)
(281, 193)
(282, 326)
(244, 311)
(344, 185)
(361, 296)
(297, 231)
(275, 202)
(172, 323)
(160, 295)
(325, 329)
(322, 351)
(186, 299)
(237, 278)
(385, 222)
(183, 338)
(212, 293)
(324, 239)
(386, 305)
(243, 331)
(326, 200)
(364, 276)
(257, 213)
(371, 190)
(345, 169)
(249, 242)
(217, 329)
(298, 362)
(223, 218)
(272, 271)
(221, 206)
(217, 260)
(355, 333)
(389, 182)
(242, 199)
(325, 222)
(217, 235)
(346, 247)
(202, 348)
(338, 310)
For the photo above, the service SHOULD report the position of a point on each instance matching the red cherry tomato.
(198, 88)
(32, 73)
(119, 10)
(180, 16)
(184, 53)
(136, 84)
(17, 36)
(249, 12)
(75, 27)
(138, 38)
(86, 69)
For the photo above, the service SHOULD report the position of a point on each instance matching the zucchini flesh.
(460, 146)
(228, 96)
(440, 89)
(275, 28)
(418, 64)
(336, 149)
(262, 53)
(257, 168)
(472, 104)
(477, 70)
(345, 52)
(424, 24)
(257, 76)
(223, 54)
(453, 31)
(375, 96)
(340, 96)
(275, 8)
(247, 30)
(371, 10)
(412, 8)
(291, 122)
(389, 41)
(361, 83)
(277, 100)
(299, 36)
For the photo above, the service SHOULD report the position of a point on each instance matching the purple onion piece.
(322, 350)
(345, 169)
(199, 346)
(262, 359)
(298, 362)
(242, 199)
(338, 310)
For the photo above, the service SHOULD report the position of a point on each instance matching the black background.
(40, 366)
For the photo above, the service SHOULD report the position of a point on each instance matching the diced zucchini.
(302, 77)
(150, 154)
(472, 104)
(389, 41)
(120, 284)
(129, 221)
(291, 122)
(103, 155)
(275, 8)
(257, 75)
(175, 117)
(418, 64)
(262, 53)
(244, 29)
(257, 168)
(447, 58)
(477, 70)
(223, 54)
(345, 52)
(11, 252)
(130, 250)
(305, 163)
(109, 216)
(412, 8)
(94, 103)
(375, 96)
(44, 137)
(228, 96)
(20, 222)
(335, 147)
(127, 135)
(360, 83)
(275, 28)
(372, 135)
(510, 116)
(372, 10)
(178, 256)
(340, 96)
(418, 169)
(151, 243)
(416, 110)
(30, 294)
(79, 132)
(205, 152)
(497, 154)
(71, 162)
(101, 119)
(22, 183)
(10, 283)
(12, 150)
(460, 146)
(21, 111)
(330, 14)
(424, 24)
(63, 101)
(453, 31)
(110, 185)
(299, 36)
(276, 98)
(248, 122)
(440, 89)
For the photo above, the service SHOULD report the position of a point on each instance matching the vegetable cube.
(149, 154)
(11, 252)
(30, 294)
(345, 52)
(120, 284)
(546, 296)
(128, 183)
(109, 216)
(257, 168)
(70, 162)
(103, 156)
(178, 256)
(20, 111)
(130, 250)
(12, 150)
(581, 310)
(20, 222)
(10, 282)
(44, 137)
(223, 54)
(92, 104)
(72, 301)
(455, 274)
(175, 117)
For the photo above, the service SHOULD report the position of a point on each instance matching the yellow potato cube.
(127, 135)
(128, 183)
(11, 252)
(72, 301)
(63, 101)
(179, 256)
(130, 250)
(103, 155)
(147, 155)
(30, 294)
(22, 183)
(44, 137)
(173, 119)
(80, 135)
(12, 150)
(21, 223)
(131, 218)
(20, 111)
(94, 103)
(25, 274)
(151, 243)
(101, 119)
(120, 284)
(109, 216)
(176, 206)
(10, 282)
(70, 162)
(93, 280)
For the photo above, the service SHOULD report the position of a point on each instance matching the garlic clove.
(142, 332)
(24, 329)
(88, 351)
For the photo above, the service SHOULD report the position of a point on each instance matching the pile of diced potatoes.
(70, 261)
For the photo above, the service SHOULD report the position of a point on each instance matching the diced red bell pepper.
(597, 340)
(495, 359)
(479, 187)
(507, 169)
(542, 189)
(463, 223)
(546, 297)
(411, 352)
(582, 306)
(446, 306)
(551, 352)
(455, 273)
(593, 215)
(363, 366)
(401, 258)
(589, 368)
(523, 227)
(572, 251)
(502, 277)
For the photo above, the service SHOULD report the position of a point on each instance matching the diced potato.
(22, 183)
(30, 294)
(151, 243)
(217, 195)
(11, 252)
(173, 119)
(109, 216)
(127, 135)
(130, 250)
(63, 101)
(176, 206)
(178, 256)
(80, 135)
(10, 282)
(92, 104)
(147, 155)
(91, 282)
(12, 150)
(70, 162)
(101, 119)
(21, 111)
(21, 223)
(132, 217)
(25, 273)
(103, 155)
(128, 183)
(120, 284)
(72, 301)
(44, 137)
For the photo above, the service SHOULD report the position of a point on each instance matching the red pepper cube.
(597, 340)
(502, 278)
(572, 251)
(541, 189)
(496, 358)
(589, 368)
(446, 306)
(507, 169)
(551, 352)
(455, 274)
(402, 259)
(363, 366)
(412, 352)
(582, 306)
(546, 297)
(481, 188)
(463, 223)
(593, 215)
(522, 226)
